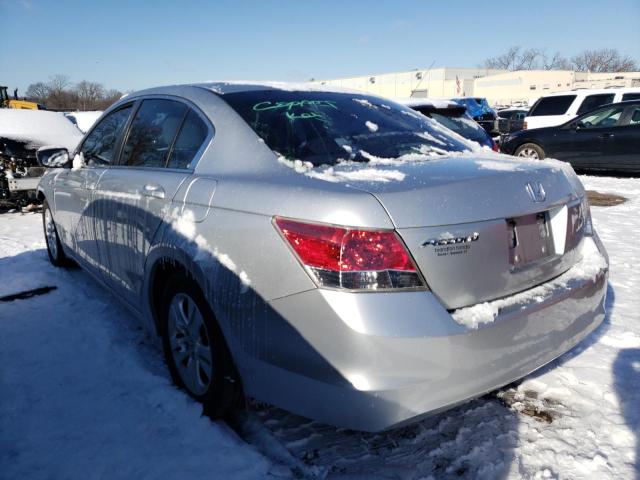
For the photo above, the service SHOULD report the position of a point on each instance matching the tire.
(195, 350)
(54, 247)
(530, 150)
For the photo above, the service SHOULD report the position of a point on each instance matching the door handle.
(606, 135)
(153, 190)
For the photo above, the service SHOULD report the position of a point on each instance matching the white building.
(434, 83)
(497, 86)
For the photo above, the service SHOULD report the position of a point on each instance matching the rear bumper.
(376, 361)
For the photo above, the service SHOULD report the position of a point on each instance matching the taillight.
(494, 146)
(349, 258)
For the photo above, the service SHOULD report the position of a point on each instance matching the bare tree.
(38, 92)
(527, 60)
(59, 97)
(89, 94)
(109, 98)
(603, 60)
(506, 61)
(555, 62)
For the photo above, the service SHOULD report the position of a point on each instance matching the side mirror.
(53, 157)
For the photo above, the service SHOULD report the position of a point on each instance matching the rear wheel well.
(162, 272)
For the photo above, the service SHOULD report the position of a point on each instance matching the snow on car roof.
(37, 128)
(426, 102)
(245, 86)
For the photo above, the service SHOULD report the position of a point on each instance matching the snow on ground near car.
(39, 128)
(85, 393)
(84, 120)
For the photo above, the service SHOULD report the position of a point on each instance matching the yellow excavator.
(6, 102)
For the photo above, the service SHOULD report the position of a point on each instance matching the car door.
(623, 149)
(74, 188)
(139, 190)
(593, 135)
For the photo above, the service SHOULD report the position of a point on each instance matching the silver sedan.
(332, 253)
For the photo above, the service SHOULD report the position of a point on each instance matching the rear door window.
(594, 101)
(634, 116)
(557, 105)
(192, 135)
(99, 148)
(153, 131)
(631, 96)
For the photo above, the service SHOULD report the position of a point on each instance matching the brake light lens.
(348, 258)
(494, 146)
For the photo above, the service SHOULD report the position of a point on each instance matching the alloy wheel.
(190, 344)
(529, 153)
(50, 233)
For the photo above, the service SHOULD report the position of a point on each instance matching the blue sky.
(130, 45)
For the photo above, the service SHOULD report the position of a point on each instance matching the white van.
(560, 107)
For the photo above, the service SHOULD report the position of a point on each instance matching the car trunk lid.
(482, 228)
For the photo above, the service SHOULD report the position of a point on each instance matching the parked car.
(454, 117)
(510, 120)
(22, 132)
(607, 138)
(560, 107)
(478, 108)
(320, 250)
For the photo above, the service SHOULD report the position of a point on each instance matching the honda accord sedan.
(332, 253)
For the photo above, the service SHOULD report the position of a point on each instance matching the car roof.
(429, 103)
(592, 91)
(222, 88)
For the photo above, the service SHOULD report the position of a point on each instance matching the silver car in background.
(332, 253)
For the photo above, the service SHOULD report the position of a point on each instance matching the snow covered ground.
(84, 393)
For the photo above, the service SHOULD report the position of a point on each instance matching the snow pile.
(329, 174)
(84, 120)
(38, 128)
(503, 164)
(85, 392)
(373, 127)
(591, 265)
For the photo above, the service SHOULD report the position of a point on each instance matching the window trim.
(118, 142)
(625, 118)
(211, 131)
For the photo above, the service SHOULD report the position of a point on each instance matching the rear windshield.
(462, 124)
(557, 105)
(325, 128)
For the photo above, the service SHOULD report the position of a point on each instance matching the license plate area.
(529, 239)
